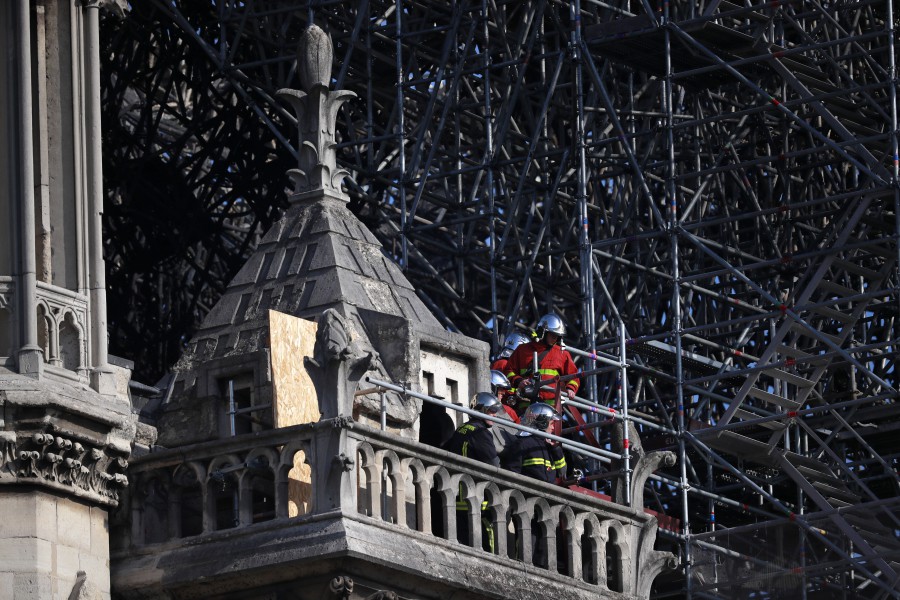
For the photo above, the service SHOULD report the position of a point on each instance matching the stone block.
(249, 272)
(31, 586)
(103, 381)
(224, 312)
(23, 507)
(68, 563)
(27, 555)
(96, 570)
(73, 524)
(7, 580)
(31, 361)
(99, 532)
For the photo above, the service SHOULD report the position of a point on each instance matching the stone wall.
(52, 547)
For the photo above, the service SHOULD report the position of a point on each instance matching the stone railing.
(62, 327)
(340, 468)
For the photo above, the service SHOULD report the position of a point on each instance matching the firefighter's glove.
(527, 389)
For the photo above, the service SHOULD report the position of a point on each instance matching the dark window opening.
(242, 408)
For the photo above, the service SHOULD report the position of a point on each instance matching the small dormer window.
(244, 413)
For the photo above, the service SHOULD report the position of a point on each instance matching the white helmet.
(487, 403)
(512, 341)
(552, 323)
(539, 415)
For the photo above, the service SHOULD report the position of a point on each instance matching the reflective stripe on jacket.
(556, 362)
(533, 457)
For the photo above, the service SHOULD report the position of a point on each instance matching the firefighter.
(551, 358)
(539, 458)
(512, 341)
(501, 388)
(535, 456)
(475, 440)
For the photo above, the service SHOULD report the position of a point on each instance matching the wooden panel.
(294, 397)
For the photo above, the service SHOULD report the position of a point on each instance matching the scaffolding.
(710, 188)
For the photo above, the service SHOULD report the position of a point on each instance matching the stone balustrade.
(338, 467)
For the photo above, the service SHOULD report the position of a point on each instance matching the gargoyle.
(337, 365)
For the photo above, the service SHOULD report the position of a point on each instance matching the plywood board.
(294, 397)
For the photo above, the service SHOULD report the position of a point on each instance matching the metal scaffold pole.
(401, 137)
(675, 306)
(586, 258)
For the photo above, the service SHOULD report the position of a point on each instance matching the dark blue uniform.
(533, 457)
(474, 440)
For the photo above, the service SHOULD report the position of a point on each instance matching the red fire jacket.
(555, 362)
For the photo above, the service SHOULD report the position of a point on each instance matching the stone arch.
(495, 516)
(418, 488)
(518, 526)
(46, 332)
(468, 510)
(71, 342)
(444, 489)
(565, 541)
(223, 492)
(616, 558)
(257, 486)
(543, 533)
(293, 481)
(187, 500)
(393, 493)
(588, 542)
(151, 508)
(368, 481)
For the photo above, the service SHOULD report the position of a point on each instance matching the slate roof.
(317, 256)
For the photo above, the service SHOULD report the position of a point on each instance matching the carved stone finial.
(314, 55)
(316, 108)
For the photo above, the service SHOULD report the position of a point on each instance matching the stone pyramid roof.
(317, 256)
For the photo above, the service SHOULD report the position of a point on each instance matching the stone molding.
(63, 464)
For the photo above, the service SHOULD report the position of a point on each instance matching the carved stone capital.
(63, 464)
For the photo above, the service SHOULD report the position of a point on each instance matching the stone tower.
(318, 262)
(65, 416)
(347, 503)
